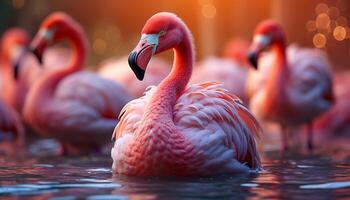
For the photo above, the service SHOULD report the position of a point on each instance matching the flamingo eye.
(161, 33)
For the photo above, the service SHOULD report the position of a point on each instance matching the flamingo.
(13, 45)
(297, 88)
(336, 121)
(174, 130)
(11, 130)
(118, 70)
(230, 73)
(77, 107)
(236, 49)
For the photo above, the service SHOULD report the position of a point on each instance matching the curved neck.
(279, 75)
(46, 86)
(163, 100)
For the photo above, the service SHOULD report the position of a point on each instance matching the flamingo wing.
(104, 96)
(218, 124)
(312, 78)
(211, 118)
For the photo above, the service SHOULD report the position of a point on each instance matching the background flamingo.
(119, 71)
(231, 74)
(174, 130)
(297, 88)
(13, 45)
(77, 107)
(11, 130)
(336, 121)
(236, 50)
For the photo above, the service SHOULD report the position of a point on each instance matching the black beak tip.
(37, 55)
(16, 71)
(253, 59)
(132, 60)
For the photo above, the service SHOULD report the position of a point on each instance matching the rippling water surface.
(321, 175)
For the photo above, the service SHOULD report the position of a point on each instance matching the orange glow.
(319, 40)
(208, 11)
(311, 26)
(99, 46)
(342, 21)
(321, 8)
(323, 21)
(339, 33)
(333, 12)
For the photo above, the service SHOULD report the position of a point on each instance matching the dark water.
(319, 175)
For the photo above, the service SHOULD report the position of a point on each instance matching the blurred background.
(113, 26)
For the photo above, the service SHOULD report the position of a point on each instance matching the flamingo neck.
(161, 104)
(8, 83)
(46, 86)
(278, 80)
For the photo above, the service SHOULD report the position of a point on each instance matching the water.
(321, 175)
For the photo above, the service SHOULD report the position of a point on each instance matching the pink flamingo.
(11, 130)
(77, 107)
(336, 121)
(119, 71)
(174, 130)
(236, 50)
(295, 90)
(13, 45)
(231, 74)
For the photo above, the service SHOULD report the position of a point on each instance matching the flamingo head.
(267, 34)
(161, 32)
(13, 47)
(55, 28)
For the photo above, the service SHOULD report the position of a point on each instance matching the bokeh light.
(319, 40)
(339, 33)
(99, 46)
(323, 21)
(321, 8)
(311, 26)
(209, 11)
(347, 32)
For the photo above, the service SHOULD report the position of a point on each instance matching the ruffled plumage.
(213, 120)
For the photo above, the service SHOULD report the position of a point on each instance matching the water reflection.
(301, 176)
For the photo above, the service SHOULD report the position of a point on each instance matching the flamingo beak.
(253, 59)
(18, 53)
(260, 42)
(40, 42)
(142, 54)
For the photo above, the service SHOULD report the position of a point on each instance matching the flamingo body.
(179, 130)
(296, 86)
(11, 130)
(83, 106)
(309, 89)
(77, 107)
(336, 121)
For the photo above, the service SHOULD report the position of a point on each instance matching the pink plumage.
(291, 88)
(336, 121)
(13, 45)
(180, 130)
(77, 107)
(11, 130)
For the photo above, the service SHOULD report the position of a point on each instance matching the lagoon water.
(323, 174)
